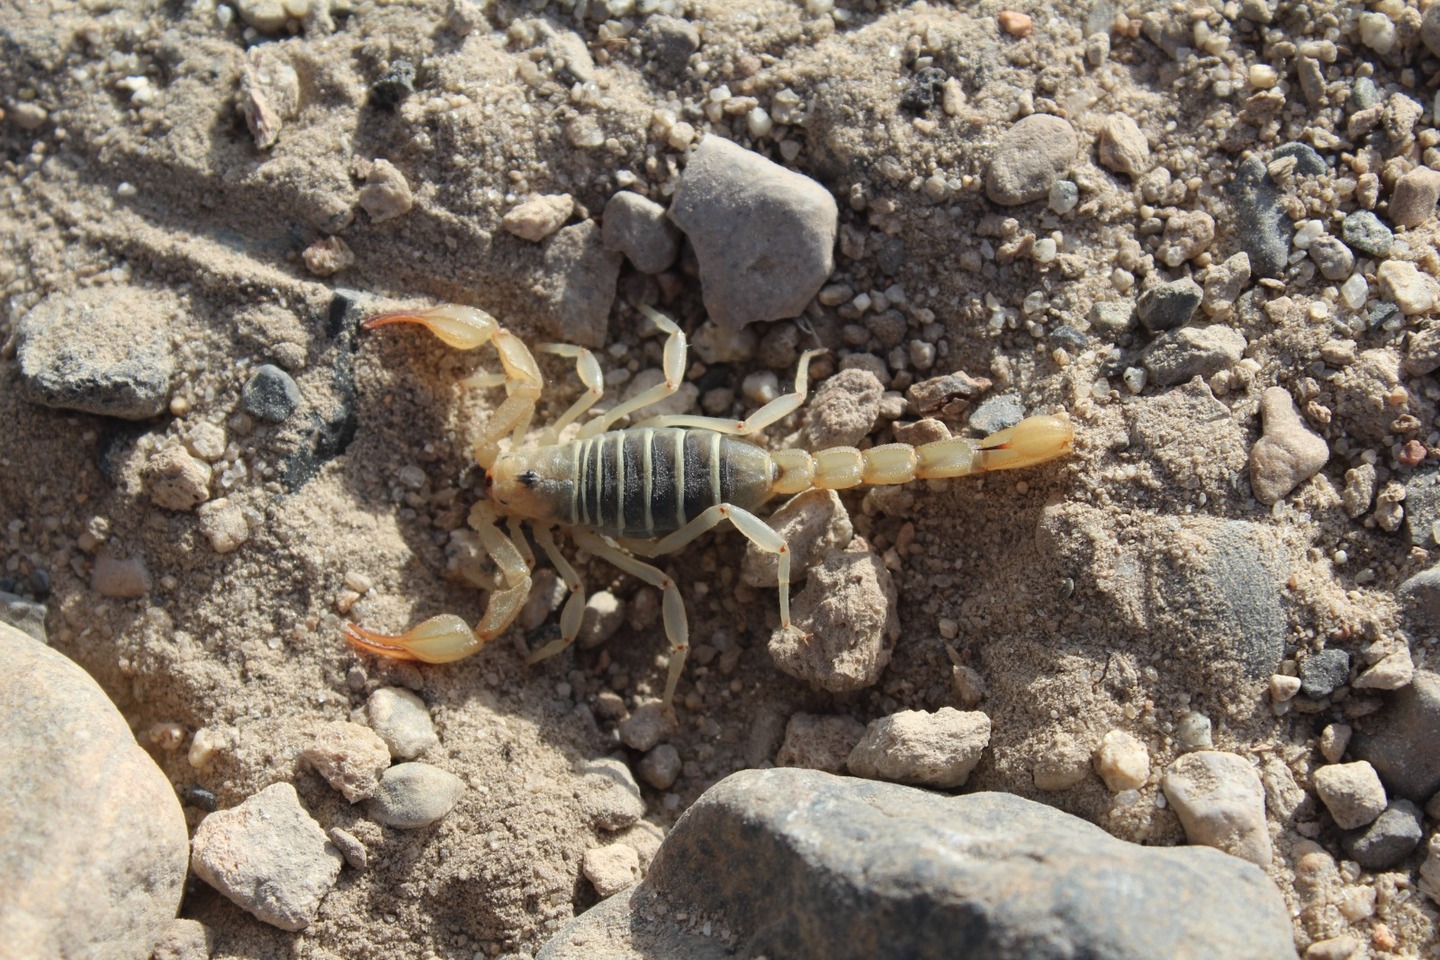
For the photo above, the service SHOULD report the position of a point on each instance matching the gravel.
(937, 749)
(271, 394)
(1363, 231)
(1169, 305)
(1322, 672)
(414, 795)
(1388, 840)
(1288, 453)
(1221, 803)
(402, 720)
(1264, 228)
(637, 227)
(1402, 741)
(1352, 792)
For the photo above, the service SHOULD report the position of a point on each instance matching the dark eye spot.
(529, 478)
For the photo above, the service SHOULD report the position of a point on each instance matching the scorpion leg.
(773, 411)
(587, 368)
(757, 531)
(467, 328)
(574, 609)
(447, 637)
(673, 365)
(672, 606)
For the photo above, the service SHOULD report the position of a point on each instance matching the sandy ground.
(164, 194)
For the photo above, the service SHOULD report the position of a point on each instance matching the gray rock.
(609, 795)
(819, 742)
(1169, 305)
(402, 720)
(997, 413)
(669, 42)
(1263, 227)
(576, 285)
(812, 523)
(414, 795)
(1420, 596)
(1430, 30)
(1321, 673)
(1034, 153)
(1387, 841)
(1332, 257)
(1307, 162)
(637, 227)
(1422, 506)
(1178, 355)
(93, 843)
(801, 864)
(25, 615)
(1402, 742)
(269, 856)
(103, 350)
(1363, 94)
(764, 236)
(1363, 231)
(1412, 202)
(271, 394)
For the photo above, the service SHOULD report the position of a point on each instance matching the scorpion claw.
(438, 640)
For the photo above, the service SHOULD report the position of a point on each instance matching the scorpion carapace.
(651, 488)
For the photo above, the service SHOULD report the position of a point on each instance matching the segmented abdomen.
(646, 482)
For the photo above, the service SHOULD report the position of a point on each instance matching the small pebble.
(609, 796)
(350, 848)
(114, 576)
(1193, 732)
(928, 749)
(223, 523)
(412, 795)
(1287, 453)
(645, 727)
(1169, 305)
(1035, 152)
(1363, 231)
(1352, 792)
(1333, 741)
(1413, 200)
(206, 440)
(611, 868)
(1122, 761)
(1413, 292)
(1332, 257)
(604, 615)
(1264, 227)
(1308, 162)
(271, 394)
(386, 194)
(1123, 147)
(175, 480)
(269, 856)
(1015, 23)
(402, 720)
(1283, 688)
(394, 86)
(843, 411)
(637, 227)
(1224, 282)
(1179, 355)
(328, 256)
(660, 767)
(1064, 196)
(1221, 803)
(1430, 30)
(350, 757)
(1392, 672)
(538, 218)
(819, 742)
(1322, 672)
(1388, 840)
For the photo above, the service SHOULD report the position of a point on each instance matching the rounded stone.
(271, 394)
(93, 844)
(414, 795)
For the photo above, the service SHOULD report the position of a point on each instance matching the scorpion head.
(524, 485)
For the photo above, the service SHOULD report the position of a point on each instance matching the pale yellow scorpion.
(650, 488)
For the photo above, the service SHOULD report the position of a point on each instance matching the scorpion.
(647, 489)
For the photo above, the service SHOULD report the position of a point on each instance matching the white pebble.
(1355, 291)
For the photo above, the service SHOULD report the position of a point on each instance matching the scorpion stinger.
(649, 489)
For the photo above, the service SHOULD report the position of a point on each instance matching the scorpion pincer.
(650, 488)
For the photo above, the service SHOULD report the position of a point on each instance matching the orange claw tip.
(438, 640)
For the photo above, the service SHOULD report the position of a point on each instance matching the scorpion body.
(651, 488)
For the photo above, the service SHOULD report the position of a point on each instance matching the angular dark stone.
(1263, 228)
(271, 394)
(1322, 672)
(1402, 742)
(800, 864)
(1388, 840)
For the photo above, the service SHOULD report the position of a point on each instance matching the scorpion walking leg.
(587, 368)
(574, 609)
(467, 328)
(447, 637)
(677, 627)
(757, 531)
(673, 366)
(773, 411)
